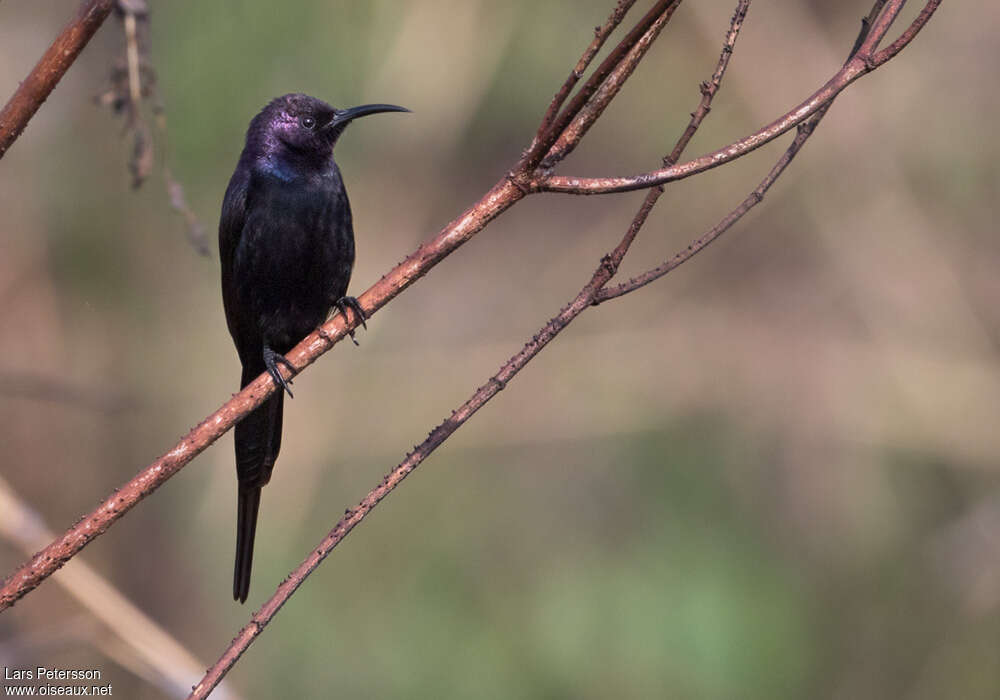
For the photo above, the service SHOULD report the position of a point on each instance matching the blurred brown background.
(772, 474)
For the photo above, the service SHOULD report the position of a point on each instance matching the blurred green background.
(773, 474)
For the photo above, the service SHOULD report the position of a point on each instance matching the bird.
(286, 246)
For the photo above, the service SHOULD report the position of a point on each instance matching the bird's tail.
(248, 501)
(258, 439)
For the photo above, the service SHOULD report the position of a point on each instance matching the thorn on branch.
(325, 335)
(609, 265)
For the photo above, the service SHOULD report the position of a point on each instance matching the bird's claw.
(343, 304)
(271, 360)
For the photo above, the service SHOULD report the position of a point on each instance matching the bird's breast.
(296, 252)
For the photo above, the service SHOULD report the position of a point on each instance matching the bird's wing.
(232, 224)
(234, 216)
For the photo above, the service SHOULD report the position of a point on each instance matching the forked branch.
(863, 61)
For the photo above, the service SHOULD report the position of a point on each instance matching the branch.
(863, 62)
(596, 104)
(546, 136)
(755, 197)
(30, 95)
(600, 36)
(709, 88)
(700, 243)
(587, 296)
(906, 37)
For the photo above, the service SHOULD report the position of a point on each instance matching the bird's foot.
(271, 360)
(345, 303)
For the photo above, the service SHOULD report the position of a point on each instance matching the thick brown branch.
(34, 90)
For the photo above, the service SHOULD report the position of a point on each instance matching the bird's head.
(304, 126)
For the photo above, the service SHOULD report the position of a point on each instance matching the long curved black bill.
(343, 116)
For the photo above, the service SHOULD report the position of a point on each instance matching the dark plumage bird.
(286, 243)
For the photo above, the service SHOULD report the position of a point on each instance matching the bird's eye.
(307, 121)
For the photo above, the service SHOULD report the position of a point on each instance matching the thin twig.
(141, 162)
(700, 243)
(601, 35)
(195, 231)
(56, 60)
(866, 24)
(906, 37)
(864, 62)
(737, 149)
(591, 111)
(545, 138)
(711, 86)
(882, 16)
(755, 197)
